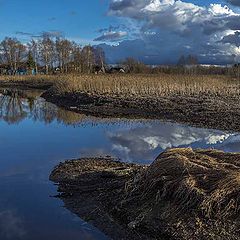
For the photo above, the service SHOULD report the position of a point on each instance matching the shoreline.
(214, 112)
(205, 111)
(210, 110)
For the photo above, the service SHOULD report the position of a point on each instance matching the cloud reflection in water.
(145, 141)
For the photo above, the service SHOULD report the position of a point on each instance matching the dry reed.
(139, 84)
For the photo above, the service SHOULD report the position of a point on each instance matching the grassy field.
(139, 85)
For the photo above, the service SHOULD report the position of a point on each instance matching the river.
(36, 135)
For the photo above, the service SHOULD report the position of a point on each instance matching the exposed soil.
(184, 194)
(214, 112)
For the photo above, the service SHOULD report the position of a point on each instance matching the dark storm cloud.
(125, 4)
(179, 27)
(234, 2)
(112, 28)
(50, 34)
(233, 39)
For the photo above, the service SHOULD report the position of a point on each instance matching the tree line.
(47, 55)
(186, 65)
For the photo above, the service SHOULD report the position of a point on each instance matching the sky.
(153, 31)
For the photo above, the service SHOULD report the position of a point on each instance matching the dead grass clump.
(195, 191)
(224, 201)
(183, 194)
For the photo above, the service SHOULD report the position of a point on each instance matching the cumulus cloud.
(111, 36)
(180, 28)
(173, 15)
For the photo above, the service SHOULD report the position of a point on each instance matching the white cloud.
(218, 9)
(111, 36)
(177, 24)
(141, 143)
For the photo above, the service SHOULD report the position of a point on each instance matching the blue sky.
(153, 31)
(76, 19)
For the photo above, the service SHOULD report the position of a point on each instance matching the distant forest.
(48, 55)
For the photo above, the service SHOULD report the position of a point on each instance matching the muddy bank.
(25, 85)
(184, 194)
(201, 111)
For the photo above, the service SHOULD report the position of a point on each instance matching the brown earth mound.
(184, 194)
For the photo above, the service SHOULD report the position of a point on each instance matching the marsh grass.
(139, 85)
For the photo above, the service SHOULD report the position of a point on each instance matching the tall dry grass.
(140, 85)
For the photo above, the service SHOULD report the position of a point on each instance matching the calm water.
(36, 135)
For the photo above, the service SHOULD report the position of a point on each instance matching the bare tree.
(88, 59)
(134, 66)
(13, 52)
(47, 52)
(64, 52)
(99, 56)
(77, 58)
(33, 47)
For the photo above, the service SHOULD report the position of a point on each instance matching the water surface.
(35, 136)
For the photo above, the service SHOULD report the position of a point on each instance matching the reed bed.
(138, 84)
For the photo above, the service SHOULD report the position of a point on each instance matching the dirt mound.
(184, 194)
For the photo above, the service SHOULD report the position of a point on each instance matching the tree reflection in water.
(17, 105)
(12, 108)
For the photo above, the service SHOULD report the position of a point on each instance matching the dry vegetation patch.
(150, 85)
(208, 101)
(184, 194)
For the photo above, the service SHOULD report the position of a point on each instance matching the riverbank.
(201, 101)
(183, 194)
(215, 112)
(40, 84)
